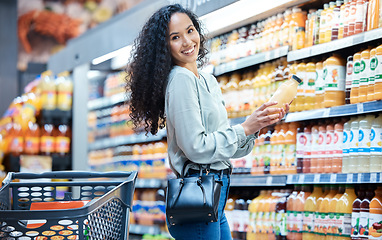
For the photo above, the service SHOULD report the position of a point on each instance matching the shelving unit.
(107, 101)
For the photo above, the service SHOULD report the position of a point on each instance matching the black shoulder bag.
(193, 199)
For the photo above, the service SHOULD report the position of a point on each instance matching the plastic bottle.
(372, 68)
(323, 211)
(299, 210)
(267, 149)
(281, 218)
(378, 75)
(274, 154)
(334, 81)
(32, 138)
(300, 142)
(318, 223)
(364, 143)
(309, 86)
(375, 215)
(286, 92)
(285, 29)
(355, 78)
(16, 138)
(329, 21)
(323, 24)
(314, 150)
(352, 17)
(48, 91)
(300, 97)
(347, 17)
(64, 91)
(321, 153)
(349, 75)
(360, 17)
(63, 139)
(346, 146)
(253, 209)
(375, 145)
(290, 148)
(343, 212)
(353, 144)
(373, 14)
(291, 220)
(336, 20)
(293, 70)
(337, 147)
(47, 140)
(320, 86)
(316, 27)
(332, 227)
(365, 214)
(310, 208)
(329, 149)
(364, 75)
(342, 19)
(307, 149)
(355, 218)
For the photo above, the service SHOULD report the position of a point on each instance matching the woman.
(166, 86)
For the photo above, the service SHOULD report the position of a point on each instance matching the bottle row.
(327, 212)
(114, 83)
(298, 29)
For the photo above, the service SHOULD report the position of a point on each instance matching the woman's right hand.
(264, 116)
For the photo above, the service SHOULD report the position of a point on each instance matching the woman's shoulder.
(180, 75)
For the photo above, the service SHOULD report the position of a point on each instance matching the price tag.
(277, 53)
(289, 179)
(326, 113)
(359, 107)
(359, 180)
(138, 229)
(301, 179)
(152, 230)
(373, 177)
(269, 180)
(349, 178)
(359, 38)
(333, 178)
(316, 178)
(267, 56)
(152, 183)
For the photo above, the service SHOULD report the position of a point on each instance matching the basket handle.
(71, 174)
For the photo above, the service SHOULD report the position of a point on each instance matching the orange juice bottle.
(329, 148)
(354, 92)
(321, 148)
(314, 150)
(16, 138)
(378, 75)
(274, 158)
(299, 210)
(320, 86)
(373, 66)
(300, 98)
(253, 209)
(375, 216)
(318, 223)
(293, 71)
(309, 86)
(63, 139)
(286, 92)
(48, 91)
(290, 148)
(310, 208)
(291, 219)
(329, 21)
(373, 15)
(32, 138)
(344, 209)
(332, 228)
(323, 23)
(47, 140)
(324, 210)
(64, 91)
(307, 149)
(349, 75)
(364, 75)
(334, 81)
(337, 147)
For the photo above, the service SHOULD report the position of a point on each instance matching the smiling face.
(184, 41)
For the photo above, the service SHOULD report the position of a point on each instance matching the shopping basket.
(102, 205)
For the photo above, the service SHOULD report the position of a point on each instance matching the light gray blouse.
(197, 124)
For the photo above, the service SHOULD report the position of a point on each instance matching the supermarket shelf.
(142, 229)
(334, 45)
(55, 116)
(339, 111)
(124, 140)
(59, 163)
(150, 183)
(339, 178)
(106, 101)
(251, 60)
(254, 181)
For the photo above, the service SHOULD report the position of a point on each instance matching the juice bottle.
(309, 86)
(329, 21)
(281, 218)
(347, 17)
(373, 14)
(364, 143)
(300, 97)
(342, 19)
(363, 75)
(323, 24)
(316, 27)
(307, 153)
(267, 214)
(274, 150)
(276, 194)
(267, 151)
(310, 208)
(228, 210)
(321, 154)
(320, 85)
(353, 144)
(375, 145)
(373, 66)
(64, 91)
(286, 92)
(365, 214)
(290, 148)
(355, 78)
(300, 142)
(16, 138)
(253, 210)
(323, 212)
(329, 148)
(48, 91)
(47, 140)
(285, 29)
(360, 17)
(314, 150)
(282, 164)
(355, 217)
(349, 75)
(299, 210)
(32, 138)
(336, 20)
(318, 223)
(352, 17)
(375, 215)
(378, 75)
(346, 146)
(291, 219)
(332, 229)
(344, 209)
(293, 70)
(337, 147)
(63, 137)
(334, 75)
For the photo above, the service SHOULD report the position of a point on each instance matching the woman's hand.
(264, 116)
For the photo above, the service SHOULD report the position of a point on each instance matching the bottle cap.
(296, 78)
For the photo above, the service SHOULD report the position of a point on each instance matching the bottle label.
(320, 226)
(345, 145)
(349, 74)
(62, 144)
(342, 224)
(357, 70)
(364, 224)
(329, 147)
(308, 222)
(17, 145)
(290, 155)
(64, 100)
(47, 144)
(252, 221)
(335, 78)
(364, 72)
(301, 86)
(353, 144)
(290, 220)
(320, 81)
(321, 145)
(32, 145)
(375, 223)
(378, 69)
(376, 141)
(48, 99)
(355, 218)
(301, 142)
(309, 85)
(260, 223)
(364, 141)
(281, 224)
(337, 143)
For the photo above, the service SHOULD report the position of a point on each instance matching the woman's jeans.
(203, 231)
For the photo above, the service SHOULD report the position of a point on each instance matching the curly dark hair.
(150, 65)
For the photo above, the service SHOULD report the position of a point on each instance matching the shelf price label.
(326, 113)
(359, 179)
(301, 179)
(316, 178)
(373, 177)
(349, 178)
(268, 181)
(289, 179)
(333, 178)
(359, 107)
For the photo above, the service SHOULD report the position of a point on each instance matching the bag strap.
(183, 173)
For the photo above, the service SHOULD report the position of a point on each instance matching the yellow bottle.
(373, 66)
(292, 70)
(364, 75)
(344, 209)
(286, 92)
(309, 86)
(317, 215)
(300, 98)
(323, 22)
(310, 208)
(329, 22)
(48, 91)
(332, 229)
(320, 86)
(378, 75)
(64, 91)
(323, 213)
(354, 92)
(334, 74)
(253, 209)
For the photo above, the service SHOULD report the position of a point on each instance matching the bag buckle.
(207, 171)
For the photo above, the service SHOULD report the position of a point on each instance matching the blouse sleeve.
(198, 145)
